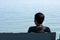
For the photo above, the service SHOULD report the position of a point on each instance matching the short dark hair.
(39, 17)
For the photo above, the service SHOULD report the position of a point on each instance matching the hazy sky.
(17, 5)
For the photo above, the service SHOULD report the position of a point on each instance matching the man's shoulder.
(44, 27)
(32, 27)
(47, 29)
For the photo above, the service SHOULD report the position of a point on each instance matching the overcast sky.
(18, 4)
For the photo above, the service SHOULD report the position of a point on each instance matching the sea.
(18, 16)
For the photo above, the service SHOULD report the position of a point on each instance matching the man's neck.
(39, 26)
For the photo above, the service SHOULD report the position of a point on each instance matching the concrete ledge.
(27, 36)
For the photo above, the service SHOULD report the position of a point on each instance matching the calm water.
(18, 16)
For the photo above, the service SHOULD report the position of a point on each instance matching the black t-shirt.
(36, 30)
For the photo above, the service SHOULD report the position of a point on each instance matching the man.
(38, 19)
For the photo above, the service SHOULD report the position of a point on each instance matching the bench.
(27, 36)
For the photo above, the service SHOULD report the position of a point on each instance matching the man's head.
(39, 18)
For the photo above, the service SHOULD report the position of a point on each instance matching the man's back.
(36, 30)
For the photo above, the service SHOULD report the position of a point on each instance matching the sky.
(17, 5)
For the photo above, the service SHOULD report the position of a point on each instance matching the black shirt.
(36, 30)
